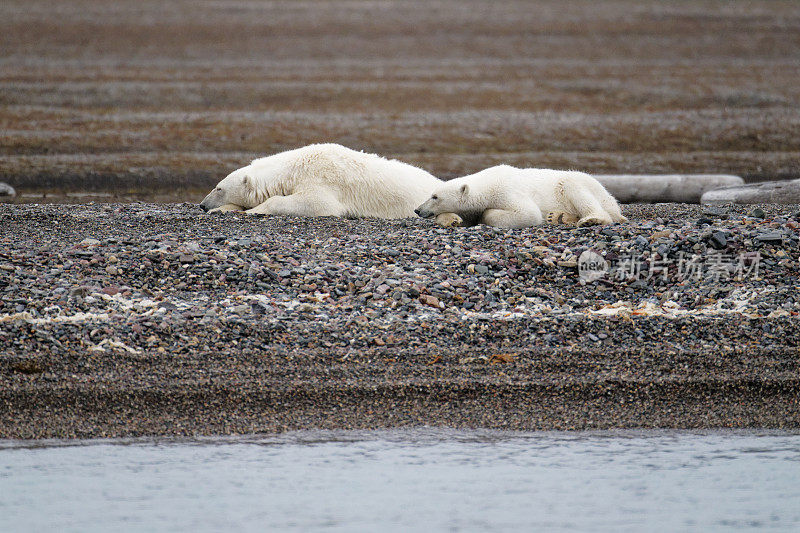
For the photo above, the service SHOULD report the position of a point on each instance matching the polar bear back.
(546, 187)
(368, 185)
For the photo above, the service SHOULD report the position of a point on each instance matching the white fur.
(324, 180)
(510, 197)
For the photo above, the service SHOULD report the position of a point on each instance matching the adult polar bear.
(509, 197)
(323, 180)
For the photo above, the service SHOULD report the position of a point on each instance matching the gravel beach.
(148, 319)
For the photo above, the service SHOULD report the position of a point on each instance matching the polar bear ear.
(464, 189)
(246, 183)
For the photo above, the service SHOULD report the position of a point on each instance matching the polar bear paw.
(449, 220)
(226, 209)
(560, 217)
(593, 220)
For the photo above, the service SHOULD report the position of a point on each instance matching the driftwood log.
(657, 188)
(7, 190)
(7, 193)
(766, 192)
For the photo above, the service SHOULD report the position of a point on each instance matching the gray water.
(421, 479)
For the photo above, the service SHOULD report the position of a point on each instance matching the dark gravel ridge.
(145, 319)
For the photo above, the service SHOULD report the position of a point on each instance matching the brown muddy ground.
(154, 100)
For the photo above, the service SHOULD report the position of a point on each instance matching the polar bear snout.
(213, 200)
(424, 210)
(423, 213)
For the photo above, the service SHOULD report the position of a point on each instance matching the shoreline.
(156, 320)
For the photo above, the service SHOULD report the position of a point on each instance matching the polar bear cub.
(509, 197)
(323, 180)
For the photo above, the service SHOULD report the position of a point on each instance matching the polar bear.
(323, 180)
(509, 197)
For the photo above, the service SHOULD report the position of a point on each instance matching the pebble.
(771, 237)
(428, 299)
(718, 240)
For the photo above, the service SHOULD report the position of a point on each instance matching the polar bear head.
(238, 189)
(452, 197)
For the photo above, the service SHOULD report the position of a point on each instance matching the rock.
(271, 274)
(428, 299)
(771, 237)
(716, 213)
(703, 221)
(258, 309)
(758, 213)
(766, 192)
(79, 292)
(241, 310)
(718, 240)
(681, 188)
